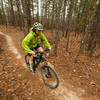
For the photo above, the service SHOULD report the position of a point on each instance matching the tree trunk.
(82, 45)
(1, 17)
(29, 14)
(59, 4)
(37, 11)
(52, 19)
(45, 16)
(63, 23)
(19, 16)
(69, 23)
(25, 13)
(4, 20)
(93, 49)
(12, 14)
(88, 18)
(42, 12)
(32, 10)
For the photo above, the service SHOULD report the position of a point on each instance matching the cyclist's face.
(38, 32)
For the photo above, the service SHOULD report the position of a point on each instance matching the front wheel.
(49, 76)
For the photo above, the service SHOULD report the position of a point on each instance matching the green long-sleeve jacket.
(31, 41)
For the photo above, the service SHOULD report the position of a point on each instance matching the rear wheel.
(49, 76)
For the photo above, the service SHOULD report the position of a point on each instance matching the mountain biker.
(31, 42)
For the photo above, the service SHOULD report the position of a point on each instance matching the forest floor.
(78, 81)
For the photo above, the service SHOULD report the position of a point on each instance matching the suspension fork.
(34, 64)
(46, 64)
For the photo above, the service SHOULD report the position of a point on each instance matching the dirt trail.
(61, 93)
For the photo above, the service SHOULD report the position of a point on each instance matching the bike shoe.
(32, 72)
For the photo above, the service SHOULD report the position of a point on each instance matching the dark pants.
(38, 46)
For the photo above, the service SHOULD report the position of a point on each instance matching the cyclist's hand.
(47, 52)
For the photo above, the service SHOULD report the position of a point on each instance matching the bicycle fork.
(47, 73)
(35, 64)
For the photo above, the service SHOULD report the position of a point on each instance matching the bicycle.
(48, 73)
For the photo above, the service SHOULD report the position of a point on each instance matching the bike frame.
(37, 60)
(45, 69)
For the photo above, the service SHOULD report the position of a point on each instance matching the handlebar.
(40, 54)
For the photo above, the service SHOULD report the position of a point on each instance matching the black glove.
(47, 50)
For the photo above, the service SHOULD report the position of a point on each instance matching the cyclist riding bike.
(31, 42)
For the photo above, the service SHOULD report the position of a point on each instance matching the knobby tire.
(55, 73)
